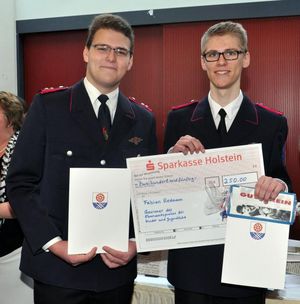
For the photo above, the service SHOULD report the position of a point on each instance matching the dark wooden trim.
(20, 67)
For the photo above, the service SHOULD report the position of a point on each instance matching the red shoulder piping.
(269, 109)
(132, 99)
(184, 105)
(51, 90)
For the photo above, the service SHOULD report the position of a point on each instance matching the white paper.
(256, 247)
(153, 264)
(178, 200)
(99, 202)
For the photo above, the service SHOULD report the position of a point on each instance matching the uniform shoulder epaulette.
(260, 104)
(132, 99)
(52, 90)
(191, 102)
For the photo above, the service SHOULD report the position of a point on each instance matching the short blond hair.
(224, 28)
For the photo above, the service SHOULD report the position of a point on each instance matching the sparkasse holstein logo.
(150, 166)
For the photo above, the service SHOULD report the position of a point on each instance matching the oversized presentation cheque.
(179, 200)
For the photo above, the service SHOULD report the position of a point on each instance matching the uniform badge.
(135, 140)
(105, 134)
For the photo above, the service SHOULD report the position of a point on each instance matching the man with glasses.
(91, 124)
(225, 118)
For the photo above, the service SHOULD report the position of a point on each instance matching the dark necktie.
(222, 126)
(104, 116)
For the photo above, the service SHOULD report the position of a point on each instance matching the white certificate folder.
(99, 203)
(257, 239)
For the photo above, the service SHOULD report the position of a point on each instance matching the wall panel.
(52, 59)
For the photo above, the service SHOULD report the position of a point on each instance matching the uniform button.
(69, 153)
(138, 155)
(102, 162)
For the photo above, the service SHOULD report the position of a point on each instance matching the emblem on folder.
(257, 230)
(100, 200)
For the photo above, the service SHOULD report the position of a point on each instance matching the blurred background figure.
(17, 286)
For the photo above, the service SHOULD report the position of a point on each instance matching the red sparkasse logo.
(150, 166)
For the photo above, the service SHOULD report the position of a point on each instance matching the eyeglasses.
(213, 56)
(106, 49)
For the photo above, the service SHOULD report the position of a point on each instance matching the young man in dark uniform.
(91, 124)
(196, 272)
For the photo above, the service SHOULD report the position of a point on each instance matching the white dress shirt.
(231, 110)
(94, 93)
